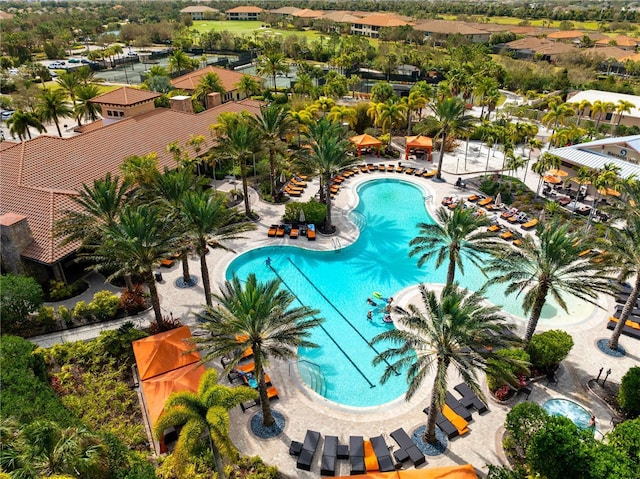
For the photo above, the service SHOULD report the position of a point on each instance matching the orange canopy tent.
(365, 141)
(164, 352)
(448, 472)
(419, 143)
(158, 389)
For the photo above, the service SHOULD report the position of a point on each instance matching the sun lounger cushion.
(381, 450)
(486, 201)
(494, 228)
(468, 396)
(405, 442)
(631, 328)
(370, 459)
(457, 407)
(272, 231)
(429, 174)
(356, 455)
(311, 232)
(456, 420)
(530, 224)
(329, 456)
(294, 233)
(444, 424)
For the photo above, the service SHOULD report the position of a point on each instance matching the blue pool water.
(339, 282)
(563, 407)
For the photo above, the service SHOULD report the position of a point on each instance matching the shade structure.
(557, 172)
(419, 143)
(158, 389)
(365, 141)
(554, 180)
(164, 352)
(498, 199)
(464, 471)
(608, 192)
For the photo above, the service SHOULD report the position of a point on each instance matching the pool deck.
(304, 410)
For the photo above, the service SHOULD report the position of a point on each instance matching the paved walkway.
(303, 409)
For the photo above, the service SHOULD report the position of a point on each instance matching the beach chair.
(507, 235)
(309, 447)
(280, 231)
(294, 232)
(166, 262)
(494, 228)
(329, 456)
(457, 407)
(530, 224)
(444, 424)
(473, 198)
(630, 328)
(311, 232)
(408, 449)
(460, 424)
(292, 192)
(469, 398)
(430, 174)
(363, 169)
(299, 183)
(381, 450)
(517, 243)
(371, 167)
(391, 168)
(399, 169)
(409, 171)
(272, 231)
(508, 214)
(486, 201)
(356, 455)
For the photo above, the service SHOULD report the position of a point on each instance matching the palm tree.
(556, 115)
(601, 108)
(259, 316)
(580, 109)
(353, 81)
(389, 114)
(456, 235)
(457, 330)
(239, 140)
(204, 411)
(342, 114)
(327, 155)
(248, 85)
(272, 63)
(86, 75)
(85, 108)
(302, 118)
(303, 84)
(208, 222)
(51, 106)
(209, 83)
(179, 61)
(136, 243)
(623, 246)
(273, 123)
(545, 163)
(69, 82)
(604, 179)
(20, 122)
(623, 106)
(550, 265)
(451, 120)
(483, 86)
(415, 101)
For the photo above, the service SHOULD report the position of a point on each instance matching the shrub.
(548, 349)
(65, 315)
(314, 212)
(58, 290)
(626, 437)
(522, 422)
(104, 305)
(47, 317)
(629, 394)
(497, 369)
(132, 302)
(81, 311)
(19, 296)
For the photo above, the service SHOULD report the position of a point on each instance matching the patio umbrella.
(283, 179)
(302, 218)
(554, 180)
(498, 199)
(608, 192)
(557, 172)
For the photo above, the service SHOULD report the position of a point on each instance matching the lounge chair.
(494, 228)
(364, 169)
(371, 167)
(380, 448)
(486, 201)
(444, 424)
(391, 168)
(473, 198)
(470, 399)
(419, 172)
(530, 224)
(295, 448)
(309, 447)
(409, 171)
(517, 243)
(409, 448)
(356, 455)
(399, 169)
(507, 235)
(280, 231)
(564, 201)
(508, 214)
(299, 183)
(370, 459)
(301, 177)
(431, 173)
(457, 407)
(311, 232)
(294, 232)
(455, 419)
(272, 231)
(630, 328)
(166, 262)
(329, 456)
(292, 192)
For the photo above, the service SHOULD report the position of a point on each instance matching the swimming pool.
(339, 282)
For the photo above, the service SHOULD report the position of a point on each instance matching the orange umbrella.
(608, 192)
(557, 172)
(552, 179)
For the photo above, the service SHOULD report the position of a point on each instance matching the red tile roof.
(39, 176)
(125, 96)
(382, 20)
(245, 9)
(189, 81)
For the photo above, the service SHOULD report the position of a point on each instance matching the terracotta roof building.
(606, 53)
(245, 13)
(370, 25)
(228, 78)
(285, 10)
(198, 12)
(621, 41)
(572, 36)
(529, 47)
(308, 13)
(40, 176)
(439, 31)
(340, 16)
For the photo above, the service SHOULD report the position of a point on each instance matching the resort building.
(40, 176)
(627, 118)
(244, 13)
(370, 25)
(621, 41)
(199, 12)
(228, 78)
(439, 31)
(538, 48)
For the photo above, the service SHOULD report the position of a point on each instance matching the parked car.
(74, 60)
(57, 65)
(131, 55)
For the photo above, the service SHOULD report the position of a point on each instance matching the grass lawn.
(54, 85)
(587, 25)
(240, 27)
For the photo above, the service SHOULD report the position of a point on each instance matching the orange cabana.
(164, 352)
(465, 471)
(365, 141)
(419, 143)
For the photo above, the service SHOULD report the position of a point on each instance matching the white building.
(630, 118)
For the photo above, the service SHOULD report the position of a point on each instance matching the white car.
(56, 65)
(131, 55)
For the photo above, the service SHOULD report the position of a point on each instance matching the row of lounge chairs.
(631, 327)
(296, 185)
(293, 231)
(454, 418)
(363, 455)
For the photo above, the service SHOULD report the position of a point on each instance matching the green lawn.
(588, 25)
(240, 27)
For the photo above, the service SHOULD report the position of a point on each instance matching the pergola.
(419, 143)
(365, 141)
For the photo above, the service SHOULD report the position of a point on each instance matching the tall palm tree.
(483, 86)
(302, 118)
(580, 108)
(623, 106)
(550, 265)
(20, 122)
(259, 316)
(327, 156)
(272, 63)
(248, 85)
(456, 235)
(545, 162)
(239, 139)
(273, 124)
(179, 61)
(623, 246)
(207, 410)
(52, 105)
(451, 120)
(603, 180)
(208, 222)
(69, 82)
(342, 114)
(209, 83)
(457, 330)
(85, 108)
(136, 244)
(304, 84)
(601, 108)
(415, 101)
(353, 81)
(390, 113)
(556, 115)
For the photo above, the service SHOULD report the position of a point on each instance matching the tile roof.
(341, 17)
(245, 9)
(39, 176)
(285, 10)
(308, 13)
(566, 34)
(198, 9)
(606, 52)
(620, 40)
(382, 20)
(125, 96)
(449, 27)
(189, 81)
